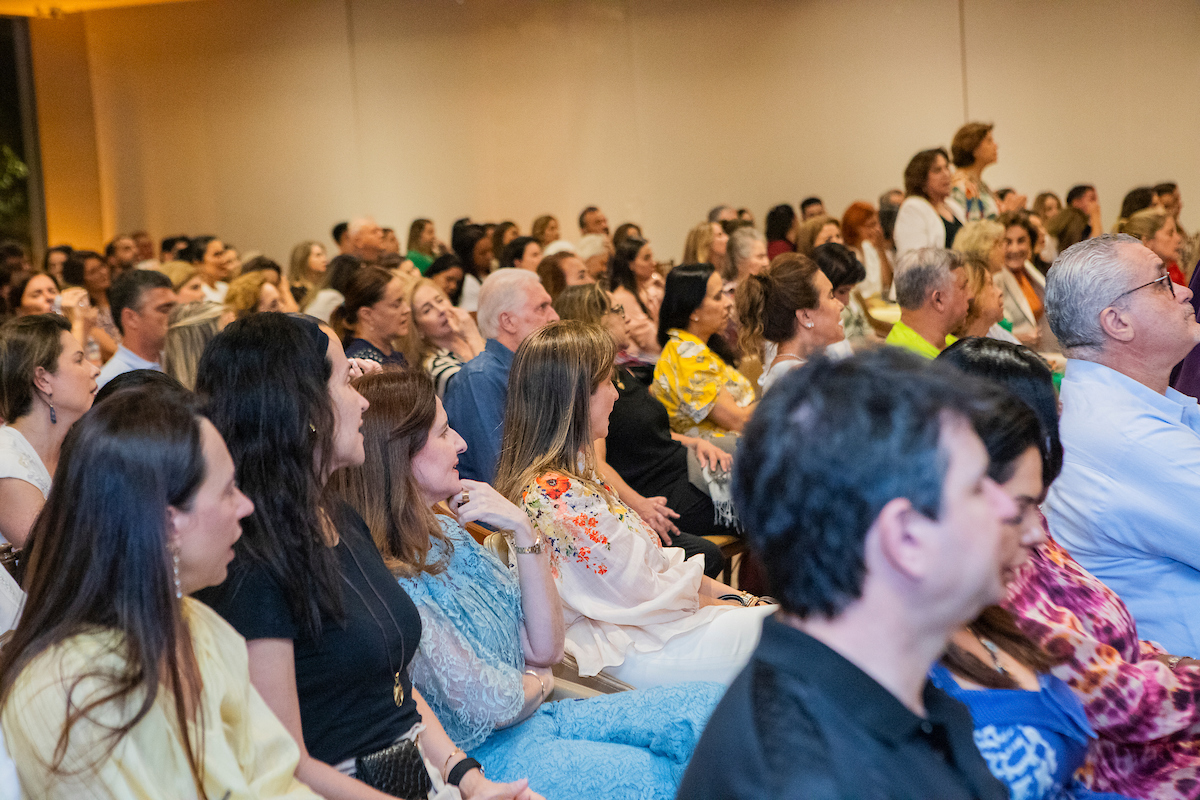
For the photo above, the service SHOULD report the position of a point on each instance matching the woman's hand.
(655, 512)
(476, 787)
(485, 504)
(713, 457)
(363, 366)
(78, 309)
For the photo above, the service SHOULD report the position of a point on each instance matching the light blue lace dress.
(469, 669)
(1033, 741)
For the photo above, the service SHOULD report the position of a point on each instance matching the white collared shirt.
(1127, 504)
(124, 360)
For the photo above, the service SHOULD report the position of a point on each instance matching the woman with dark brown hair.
(489, 636)
(115, 682)
(929, 216)
(973, 150)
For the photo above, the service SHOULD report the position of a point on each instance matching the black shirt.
(344, 680)
(639, 443)
(801, 721)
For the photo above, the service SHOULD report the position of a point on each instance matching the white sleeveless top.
(19, 460)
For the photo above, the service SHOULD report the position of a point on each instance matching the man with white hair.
(512, 305)
(931, 288)
(1125, 502)
(366, 239)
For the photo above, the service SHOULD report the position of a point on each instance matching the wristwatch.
(534, 548)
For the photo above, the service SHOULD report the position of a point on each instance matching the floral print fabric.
(687, 380)
(619, 587)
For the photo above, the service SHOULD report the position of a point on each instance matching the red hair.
(853, 220)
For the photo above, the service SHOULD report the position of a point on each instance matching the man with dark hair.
(341, 237)
(722, 213)
(863, 487)
(592, 220)
(811, 207)
(1079, 220)
(141, 302)
(121, 254)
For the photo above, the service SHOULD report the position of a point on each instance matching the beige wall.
(265, 121)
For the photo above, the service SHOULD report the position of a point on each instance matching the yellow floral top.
(687, 380)
(620, 588)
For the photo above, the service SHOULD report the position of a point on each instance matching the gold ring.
(466, 497)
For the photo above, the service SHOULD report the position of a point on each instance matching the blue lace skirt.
(626, 746)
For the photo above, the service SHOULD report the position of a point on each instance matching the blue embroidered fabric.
(469, 669)
(1033, 741)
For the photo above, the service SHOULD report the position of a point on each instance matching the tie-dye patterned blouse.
(1147, 717)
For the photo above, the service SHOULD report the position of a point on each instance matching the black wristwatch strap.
(459, 770)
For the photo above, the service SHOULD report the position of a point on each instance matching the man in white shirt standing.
(141, 302)
(1125, 505)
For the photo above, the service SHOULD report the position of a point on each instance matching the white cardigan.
(918, 224)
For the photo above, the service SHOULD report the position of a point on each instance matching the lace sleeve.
(470, 696)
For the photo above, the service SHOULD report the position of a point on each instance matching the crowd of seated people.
(892, 501)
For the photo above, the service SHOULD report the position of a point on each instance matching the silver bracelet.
(534, 548)
(541, 682)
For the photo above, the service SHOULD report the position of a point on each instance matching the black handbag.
(398, 770)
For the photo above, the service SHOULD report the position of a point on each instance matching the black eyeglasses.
(1167, 278)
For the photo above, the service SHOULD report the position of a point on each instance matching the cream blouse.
(247, 751)
(620, 589)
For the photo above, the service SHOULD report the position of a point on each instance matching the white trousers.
(713, 652)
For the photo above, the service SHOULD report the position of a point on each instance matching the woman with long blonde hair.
(706, 244)
(641, 613)
(441, 337)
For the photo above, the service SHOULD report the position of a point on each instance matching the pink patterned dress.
(1146, 716)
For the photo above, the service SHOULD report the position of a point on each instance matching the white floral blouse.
(620, 588)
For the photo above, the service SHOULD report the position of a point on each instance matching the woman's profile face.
(317, 259)
(713, 312)
(435, 466)
(192, 290)
(720, 240)
(1025, 488)
(615, 323)
(510, 233)
(203, 533)
(428, 236)
(600, 406)
(552, 233)
(758, 259)
(54, 263)
(987, 151)
(73, 384)
(38, 297)
(1050, 207)
(483, 254)
(990, 303)
(643, 266)
(937, 181)
(1165, 241)
(348, 408)
(390, 316)
(575, 272)
(214, 263)
(449, 280)
(826, 318)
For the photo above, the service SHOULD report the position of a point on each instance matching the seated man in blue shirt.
(863, 487)
(512, 305)
(1125, 504)
(141, 301)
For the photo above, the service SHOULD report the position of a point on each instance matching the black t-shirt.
(344, 680)
(639, 443)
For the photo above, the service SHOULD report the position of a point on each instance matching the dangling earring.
(53, 416)
(175, 564)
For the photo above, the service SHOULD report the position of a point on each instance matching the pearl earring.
(175, 563)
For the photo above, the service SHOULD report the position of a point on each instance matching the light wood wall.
(266, 121)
